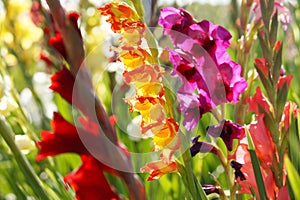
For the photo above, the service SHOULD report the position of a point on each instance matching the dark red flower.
(209, 189)
(63, 83)
(237, 170)
(46, 59)
(89, 181)
(63, 139)
(201, 147)
(227, 131)
(57, 41)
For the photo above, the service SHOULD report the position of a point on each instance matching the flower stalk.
(186, 171)
(8, 135)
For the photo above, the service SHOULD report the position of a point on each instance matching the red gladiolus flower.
(64, 139)
(57, 41)
(263, 142)
(63, 83)
(265, 150)
(262, 65)
(89, 181)
(46, 59)
(284, 80)
(258, 99)
(289, 108)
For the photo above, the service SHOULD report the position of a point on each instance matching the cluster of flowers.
(265, 143)
(209, 78)
(208, 74)
(88, 181)
(65, 138)
(142, 72)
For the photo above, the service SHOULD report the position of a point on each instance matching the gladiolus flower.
(63, 83)
(64, 139)
(237, 170)
(209, 189)
(125, 20)
(202, 64)
(143, 74)
(159, 168)
(262, 139)
(56, 41)
(201, 147)
(258, 99)
(284, 80)
(227, 131)
(35, 13)
(89, 181)
(289, 108)
(164, 135)
(262, 65)
(133, 58)
(46, 59)
(185, 32)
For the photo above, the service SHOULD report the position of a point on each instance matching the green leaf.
(294, 142)
(270, 8)
(152, 44)
(7, 133)
(281, 100)
(264, 13)
(170, 105)
(293, 177)
(274, 27)
(277, 65)
(138, 5)
(256, 168)
(265, 81)
(263, 44)
(298, 125)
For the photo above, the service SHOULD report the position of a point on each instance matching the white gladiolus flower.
(24, 143)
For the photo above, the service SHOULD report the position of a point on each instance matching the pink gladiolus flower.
(202, 64)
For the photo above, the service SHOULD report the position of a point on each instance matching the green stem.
(138, 5)
(8, 135)
(186, 171)
(228, 171)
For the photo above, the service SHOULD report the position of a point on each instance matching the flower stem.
(7, 133)
(186, 171)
